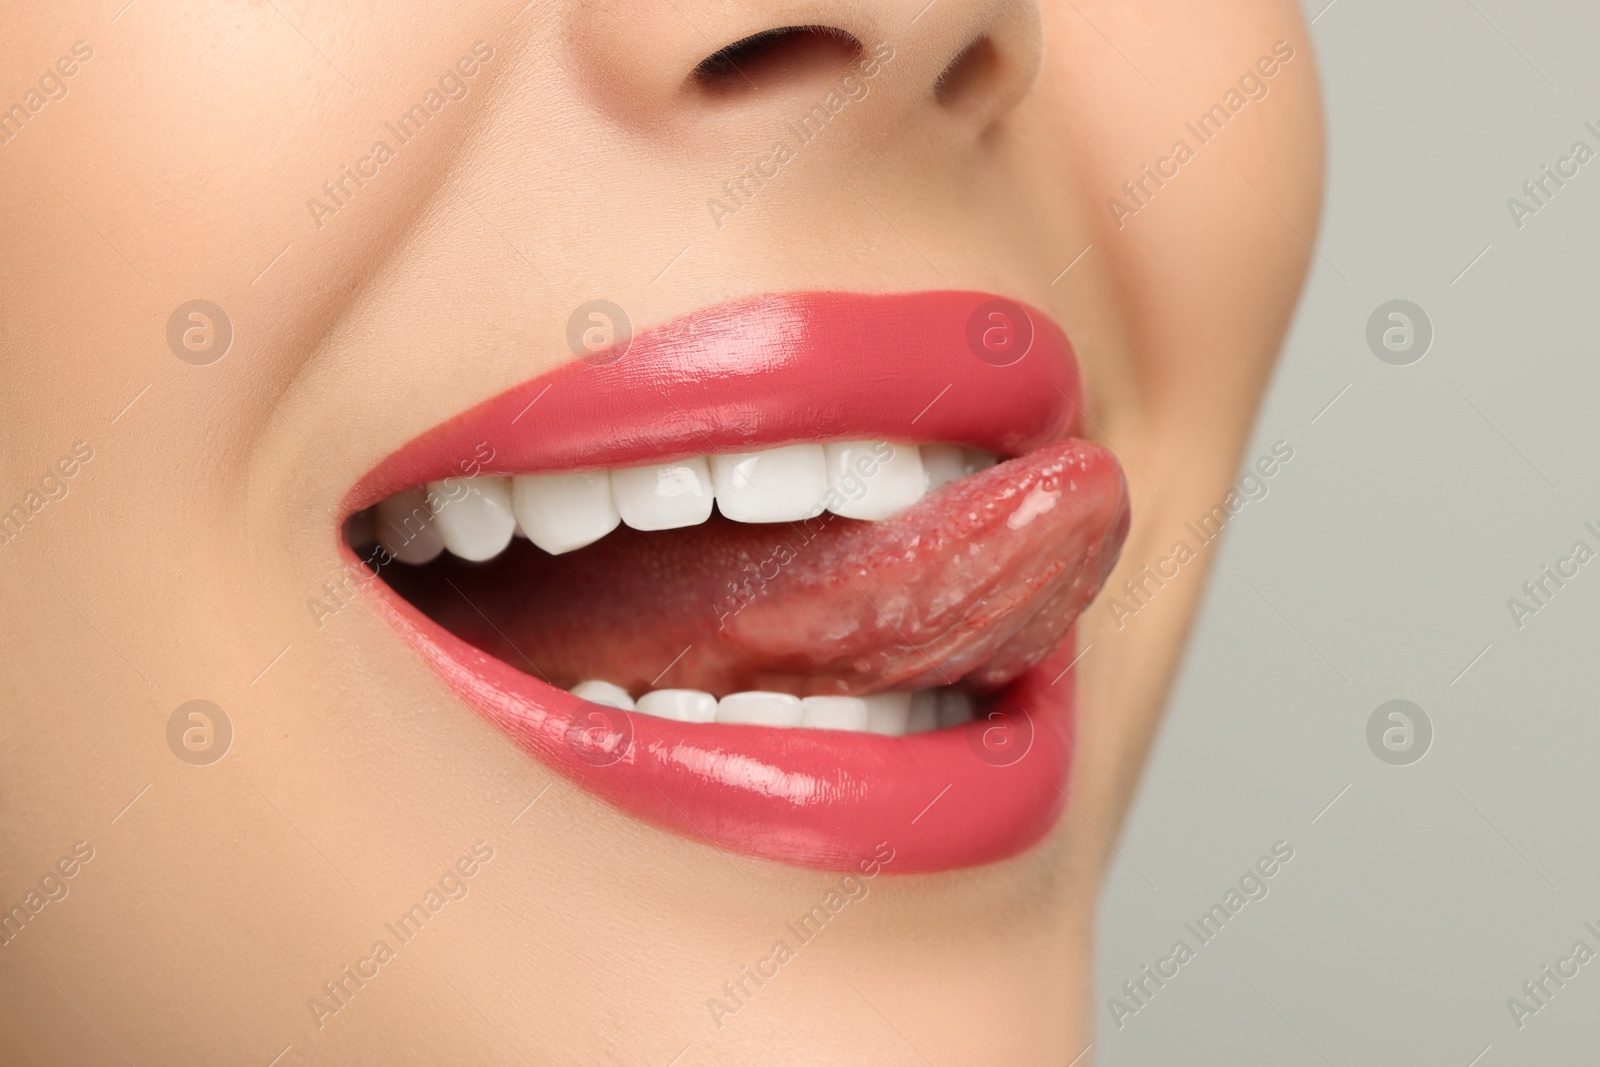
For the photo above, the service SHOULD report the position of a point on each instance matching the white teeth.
(778, 485)
(874, 479)
(760, 709)
(563, 512)
(834, 713)
(476, 524)
(924, 714)
(406, 529)
(603, 693)
(888, 713)
(663, 496)
(868, 480)
(685, 705)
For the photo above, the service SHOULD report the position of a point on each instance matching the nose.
(671, 66)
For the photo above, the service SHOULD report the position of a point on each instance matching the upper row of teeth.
(475, 518)
(889, 714)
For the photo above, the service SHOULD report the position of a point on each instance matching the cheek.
(1211, 274)
(1182, 311)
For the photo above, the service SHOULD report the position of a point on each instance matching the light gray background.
(1381, 563)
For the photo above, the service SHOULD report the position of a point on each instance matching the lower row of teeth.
(475, 518)
(889, 714)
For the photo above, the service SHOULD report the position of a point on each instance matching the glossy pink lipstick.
(975, 585)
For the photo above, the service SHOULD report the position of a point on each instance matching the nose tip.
(664, 65)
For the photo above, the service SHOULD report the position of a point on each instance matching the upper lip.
(768, 371)
(764, 371)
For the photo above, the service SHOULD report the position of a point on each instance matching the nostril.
(770, 57)
(969, 73)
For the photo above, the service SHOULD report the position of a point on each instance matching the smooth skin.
(579, 164)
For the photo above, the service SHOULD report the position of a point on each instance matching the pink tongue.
(976, 583)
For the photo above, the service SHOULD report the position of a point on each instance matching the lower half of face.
(621, 532)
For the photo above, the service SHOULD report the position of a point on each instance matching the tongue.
(975, 584)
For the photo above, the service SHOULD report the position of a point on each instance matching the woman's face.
(183, 472)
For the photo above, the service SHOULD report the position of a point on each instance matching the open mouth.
(794, 576)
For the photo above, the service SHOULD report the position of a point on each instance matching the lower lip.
(825, 799)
